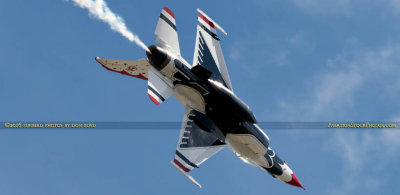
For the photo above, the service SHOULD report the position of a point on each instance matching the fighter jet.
(214, 116)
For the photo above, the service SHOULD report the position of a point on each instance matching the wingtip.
(169, 12)
(212, 21)
(186, 175)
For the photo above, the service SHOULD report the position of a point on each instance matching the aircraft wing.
(166, 34)
(208, 51)
(138, 69)
(196, 144)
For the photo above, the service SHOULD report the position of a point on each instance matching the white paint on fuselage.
(248, 147)
(189, 97)
(251, 151)
(287, 173)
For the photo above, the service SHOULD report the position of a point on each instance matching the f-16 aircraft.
(214, 116)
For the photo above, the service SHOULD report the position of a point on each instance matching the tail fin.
(208, 51)
(212, 21)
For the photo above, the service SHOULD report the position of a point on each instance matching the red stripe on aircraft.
(169, 11)
(154, 100)
(181, 165)
(206, 20)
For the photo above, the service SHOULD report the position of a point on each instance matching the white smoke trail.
(100, 10)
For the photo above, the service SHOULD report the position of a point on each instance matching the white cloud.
(278, 58)
(391, 139)
(332, 94)
(353, 148)
(336, 94)
(395, 4)
(346, 7)
(234, 54)
(335, 89)
(302, 42)
(364, 153)
(324, 6)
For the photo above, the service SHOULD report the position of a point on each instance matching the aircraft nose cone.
(295, 182)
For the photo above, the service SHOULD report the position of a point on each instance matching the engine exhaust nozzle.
(158, 57)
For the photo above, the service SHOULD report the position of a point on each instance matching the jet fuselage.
(232, 121)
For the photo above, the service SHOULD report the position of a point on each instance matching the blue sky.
(297, 60)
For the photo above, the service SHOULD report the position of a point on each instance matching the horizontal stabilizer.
(166, 34)
(157, 90)
(136, 69)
